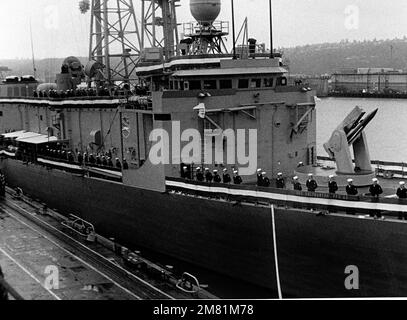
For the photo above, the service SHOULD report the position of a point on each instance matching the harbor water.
(386, 134)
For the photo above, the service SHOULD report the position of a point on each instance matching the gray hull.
(313, 252)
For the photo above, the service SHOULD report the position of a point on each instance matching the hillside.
(311, 59)
(330, 57)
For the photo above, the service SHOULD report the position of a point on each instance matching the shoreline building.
(369, 81)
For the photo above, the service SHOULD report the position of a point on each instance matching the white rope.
(280, 294)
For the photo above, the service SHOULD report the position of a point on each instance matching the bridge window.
(269, 82)
(195, 85)
(243, 83)
(162, 117)
(225, 84)
(210, 84)
(255, 83)
(282, 81)
(16, 91)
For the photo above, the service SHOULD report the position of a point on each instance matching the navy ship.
(126, 156)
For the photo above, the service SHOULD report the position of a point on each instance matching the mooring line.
(273, 220)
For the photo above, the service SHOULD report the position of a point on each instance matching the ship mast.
(114, 39)
(159, 28)
(32, 52)
(117, 41)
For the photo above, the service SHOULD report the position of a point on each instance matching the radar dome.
(205, 11)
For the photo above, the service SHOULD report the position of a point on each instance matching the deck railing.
(386, 169)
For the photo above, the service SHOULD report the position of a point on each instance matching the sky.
(60, 30)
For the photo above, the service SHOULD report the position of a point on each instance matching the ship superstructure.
(202, 88)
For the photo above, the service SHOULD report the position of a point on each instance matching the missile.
(355, 123)
(354, 134)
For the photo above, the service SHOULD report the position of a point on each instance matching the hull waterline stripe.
(273, 220)
(77, 167)
(293, 198)
(59, 164)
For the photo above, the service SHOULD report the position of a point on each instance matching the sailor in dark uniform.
(208, 176)
(226, 177)
(104, 161)
(70, 157)
(216, 177)
(85, 158)
(199, 175)
(265, 180)
(297, 185)
(402, 191)
(80, 158)
(259, 178)
(118, 163)
(92, 159)
(110, 162)
(98, 160)
(184, 172)
(3, 291)
(332, 185)
(280, 182)
(351, 190)
(375, 189)
(402, 195)
(237, 180)
(312, 185)
(125, 165)
(188, 173)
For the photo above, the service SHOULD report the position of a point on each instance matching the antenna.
(271, 30)
(32, 52)
(233, 31)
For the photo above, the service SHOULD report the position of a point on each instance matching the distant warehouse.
(369, 81)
